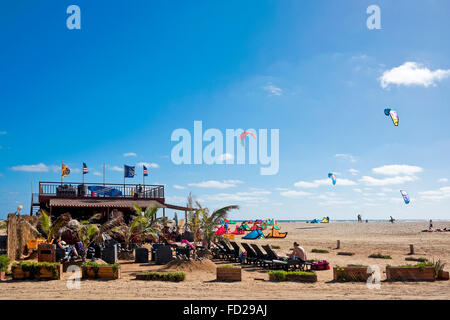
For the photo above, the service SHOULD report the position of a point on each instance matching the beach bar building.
(82, 200)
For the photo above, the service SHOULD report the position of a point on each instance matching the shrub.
(162, 276)
(416, 259)
(280, 275)
(228, 266)
(4, 263)
(379, 256)
(319, 251)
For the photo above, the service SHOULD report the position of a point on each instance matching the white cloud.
(273, 90)
(371, 181)
(130, 154)
(223, 157)
(115, 168)
(32, 168)
(295, 194)
(247, 197)
(96, 173)
(412, 73)
(357, 190)
(442, 180)
(321, 182)
(176, 186)
(396, 169)
(436, 195)
(281, 189)
(148, 164)
(345, 156)
(354, 172)
(216, 184)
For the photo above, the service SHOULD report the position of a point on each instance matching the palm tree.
(50, 230)
(210, 220)
(146, 222)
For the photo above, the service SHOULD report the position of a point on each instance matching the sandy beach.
(361, 238)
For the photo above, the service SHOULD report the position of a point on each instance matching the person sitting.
(72, 251)
(298, 253)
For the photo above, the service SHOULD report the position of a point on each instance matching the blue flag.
(85, 169)
(145, 171)
(128, 171)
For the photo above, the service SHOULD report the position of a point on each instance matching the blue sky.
(137, 71)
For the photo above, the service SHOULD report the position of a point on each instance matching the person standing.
(431, 225)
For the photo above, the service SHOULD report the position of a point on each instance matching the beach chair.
(219, 252)
(251, 257)
(279, 262)
(230, 253)
(262, 257)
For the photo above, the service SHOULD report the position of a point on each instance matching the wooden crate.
(352, 274)
(106, 272)
(301, 277)
(229, 274)
(443, 275)
(410, 274)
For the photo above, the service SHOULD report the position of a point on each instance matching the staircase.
(35, 205)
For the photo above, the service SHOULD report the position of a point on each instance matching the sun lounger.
(230, 253)
(251, 256)
(236, 248)
(263, 258)
(219, 252)
(279, 262)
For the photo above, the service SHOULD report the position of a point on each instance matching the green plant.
(416, 259)
(319, 251)
(2, 224)
(281, 275)
(4, 263)
(379, 256)
(162, 276)
(50, 230)
(438, 267)
(421, 266)
(229, 266)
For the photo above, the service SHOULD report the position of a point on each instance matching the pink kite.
(245, 134)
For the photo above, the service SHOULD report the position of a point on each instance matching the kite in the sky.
(405, 196)
(244, 135)
(332, 177)
(393, 114)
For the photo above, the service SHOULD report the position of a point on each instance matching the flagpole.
(61, 173)
(124, 180)
(82, 173)
(103, 174)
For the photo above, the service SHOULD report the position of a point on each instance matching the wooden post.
(338, 245)
(411, 249)
(164, 212)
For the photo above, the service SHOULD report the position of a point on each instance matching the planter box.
(229, 274)
(351, 274)
(443, 275)
(301, 277)
(410, 274)
(106, 272)
(44, 273)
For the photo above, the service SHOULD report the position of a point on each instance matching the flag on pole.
(128, 171)
(65, 171)
(145, 171)
(85, 169)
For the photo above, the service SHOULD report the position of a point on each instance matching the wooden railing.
(108, 190)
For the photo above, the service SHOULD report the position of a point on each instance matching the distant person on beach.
(367, 221)
(392, 219)
(431, 225)
(359, 218)
(297, 253)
